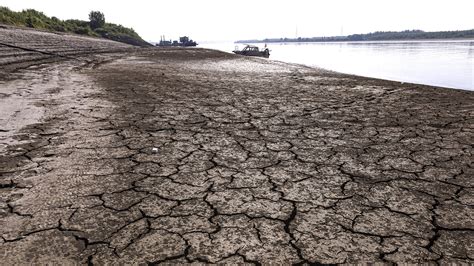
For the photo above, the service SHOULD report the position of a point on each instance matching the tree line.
(377, 36)
(95, 27)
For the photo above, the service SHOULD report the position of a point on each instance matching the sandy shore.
(256, 161)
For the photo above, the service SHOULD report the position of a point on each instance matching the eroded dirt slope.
(256, 162)
(23, 47)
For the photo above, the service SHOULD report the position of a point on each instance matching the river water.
(439, 63)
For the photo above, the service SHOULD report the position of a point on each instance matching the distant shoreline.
(376, 36)
(375, 41)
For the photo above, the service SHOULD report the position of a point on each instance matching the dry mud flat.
(257, 162)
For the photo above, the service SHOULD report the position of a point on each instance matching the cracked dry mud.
(257, 162)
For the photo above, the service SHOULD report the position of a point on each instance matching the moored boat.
(251, 50)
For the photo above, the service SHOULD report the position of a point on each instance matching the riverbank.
(194, 155)
(444, 64)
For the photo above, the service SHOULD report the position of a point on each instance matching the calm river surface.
(439, 63)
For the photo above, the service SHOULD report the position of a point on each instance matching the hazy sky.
(214, 20)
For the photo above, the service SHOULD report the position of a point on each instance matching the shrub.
(95, 27)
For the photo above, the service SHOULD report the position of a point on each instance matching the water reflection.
(439, 63)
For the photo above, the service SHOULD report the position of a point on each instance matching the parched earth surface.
(129, 156)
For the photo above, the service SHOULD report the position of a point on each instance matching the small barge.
(183, 42)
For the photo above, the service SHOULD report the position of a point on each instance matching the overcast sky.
(214, 20)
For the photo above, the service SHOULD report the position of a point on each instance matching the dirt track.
(257, 162)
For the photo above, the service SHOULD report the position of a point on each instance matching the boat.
(251, 50)
(183, 42)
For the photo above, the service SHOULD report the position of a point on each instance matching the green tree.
(97, 19)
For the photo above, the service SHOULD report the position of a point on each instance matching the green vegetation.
(378, 36)
(96, 27)
(97, 19)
